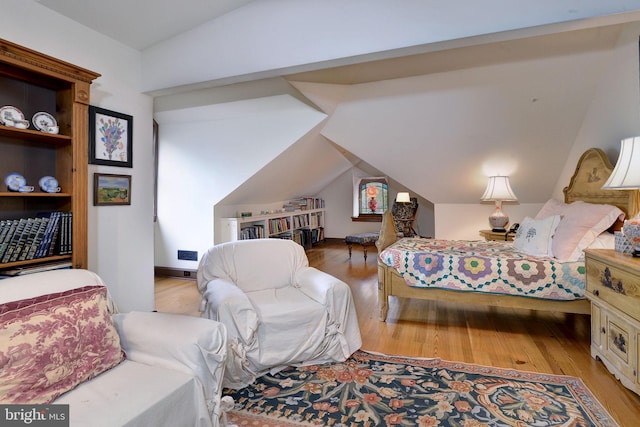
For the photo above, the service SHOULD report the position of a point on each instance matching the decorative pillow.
(580, 225)
(552, 207)
(534, 236)
(51, 343)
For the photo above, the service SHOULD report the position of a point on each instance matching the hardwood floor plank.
(554, 343)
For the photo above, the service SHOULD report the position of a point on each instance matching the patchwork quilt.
(484, 266)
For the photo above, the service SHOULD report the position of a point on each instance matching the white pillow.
(581, 224)
(605, 240)
(534, 236)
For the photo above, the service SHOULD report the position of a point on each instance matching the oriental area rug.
(371, 389)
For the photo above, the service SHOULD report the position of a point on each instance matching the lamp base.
(498, 220)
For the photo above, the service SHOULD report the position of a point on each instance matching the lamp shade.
(626, 173)
(498, 189)
(403, 197)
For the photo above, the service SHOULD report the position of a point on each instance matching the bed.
(512, 274)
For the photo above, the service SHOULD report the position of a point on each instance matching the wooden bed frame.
(592, 171)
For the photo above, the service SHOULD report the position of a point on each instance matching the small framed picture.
(110, 138)
(111, 190)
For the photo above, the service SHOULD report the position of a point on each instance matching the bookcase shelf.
(33, 82)
(44, 260)
(306, 226)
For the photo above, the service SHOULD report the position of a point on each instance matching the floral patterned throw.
(377, 390)
(51, 343)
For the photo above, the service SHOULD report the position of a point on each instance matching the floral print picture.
(110, 138)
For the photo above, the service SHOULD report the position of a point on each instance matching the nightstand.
(497, 235)
(613, 287)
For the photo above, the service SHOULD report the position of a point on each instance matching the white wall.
(614, 113)
(207, 152)
(338, 197)
(120, 238)
(464, 221)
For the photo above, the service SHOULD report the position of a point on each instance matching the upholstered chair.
(278, 311)
(404, 215)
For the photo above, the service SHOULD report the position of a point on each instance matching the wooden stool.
(364, 239)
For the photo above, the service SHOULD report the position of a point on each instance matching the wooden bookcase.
(34, 82)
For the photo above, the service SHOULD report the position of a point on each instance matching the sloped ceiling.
(306, 167)
(465, 91)
(436, 123)
(504, 108)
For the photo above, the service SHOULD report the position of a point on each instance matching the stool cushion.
(362, 238)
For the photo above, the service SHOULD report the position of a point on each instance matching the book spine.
(43, 247)
(10, 226)
(25, 240)
(65, 234)
(14, 240)
(38, 231)
(4, 228)
(55, 233)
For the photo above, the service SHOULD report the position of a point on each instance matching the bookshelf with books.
(301, 220)
(37, 85)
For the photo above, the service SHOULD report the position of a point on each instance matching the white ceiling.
(542, 78)
(142, 23)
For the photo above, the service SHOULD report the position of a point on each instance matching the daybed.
(546, 273)
(60, 344)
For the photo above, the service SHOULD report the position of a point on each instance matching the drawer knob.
(603, 330)
(596, 292)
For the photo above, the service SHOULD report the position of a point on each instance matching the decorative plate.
(14, 181)
(10, 113)
(48, 184)
(42, 120)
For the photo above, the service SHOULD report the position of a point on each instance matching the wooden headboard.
(592, 171)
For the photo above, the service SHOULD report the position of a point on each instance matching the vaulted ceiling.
(427, 93)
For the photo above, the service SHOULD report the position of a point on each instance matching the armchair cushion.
(224, 300)
(51, 343)
(192, 345)
(253, 268)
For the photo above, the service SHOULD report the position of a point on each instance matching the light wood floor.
(508, 338)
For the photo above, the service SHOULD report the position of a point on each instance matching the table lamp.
(498, 190)
(403, 197)
(626, 176)
(626, 173)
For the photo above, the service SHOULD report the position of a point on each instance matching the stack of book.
(255, 231)
(46, 235)
(307, 203)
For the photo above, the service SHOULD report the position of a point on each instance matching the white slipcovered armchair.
(278, 311)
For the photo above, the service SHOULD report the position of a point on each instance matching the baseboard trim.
(334, 240)
(175, 272)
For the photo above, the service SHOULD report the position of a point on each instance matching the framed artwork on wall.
(110, 138)
(111, 190)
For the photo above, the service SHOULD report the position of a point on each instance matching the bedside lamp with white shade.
(626, 176)
(498, 191)
(626, 173)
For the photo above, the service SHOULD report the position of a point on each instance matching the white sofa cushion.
(136, 394)
(193, 345)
